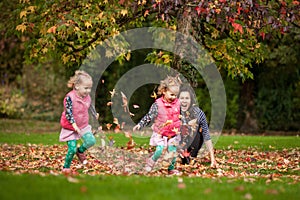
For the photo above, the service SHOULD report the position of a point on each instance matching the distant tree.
(11, 47)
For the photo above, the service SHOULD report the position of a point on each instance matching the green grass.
(28, 126)
(27, 186)
(223, 142)
(33, 138)
(30, 186)
(40, 132)
(260, 142)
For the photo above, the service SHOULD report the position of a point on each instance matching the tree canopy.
(232, 31)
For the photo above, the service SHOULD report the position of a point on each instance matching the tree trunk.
(184, 25)
(247, 121)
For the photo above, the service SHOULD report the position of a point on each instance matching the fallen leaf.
(271, 191)
(181, 185)
(125, 102)
(239, 188)
(112, 93)
(83, 189)
(72, 180)
(248, 196)
(116, 121)
(108, 126)
(207, 190)
(135, 106)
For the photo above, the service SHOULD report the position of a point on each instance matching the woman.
(194, 129)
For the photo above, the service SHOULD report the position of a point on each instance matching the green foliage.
(229, 30)
(278, 84)
(11, 47)
(232, 31)
(232, 93)
(44, 93)
(11, 102)
(69, 29)
(234, 52)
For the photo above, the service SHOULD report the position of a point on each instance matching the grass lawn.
(278, 184)
(27, 186)
(223, 142)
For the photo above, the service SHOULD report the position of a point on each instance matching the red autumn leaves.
(44, 159)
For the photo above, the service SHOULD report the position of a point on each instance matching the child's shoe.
(174, 172)
(149, 164)
(186, 160)
(81, 157)
(66, 171)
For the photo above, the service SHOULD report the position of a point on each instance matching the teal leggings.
(158, 152)
(88, 141)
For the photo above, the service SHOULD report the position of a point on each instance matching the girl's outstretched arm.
(149, 117)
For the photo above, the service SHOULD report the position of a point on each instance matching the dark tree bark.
(184, 26)
(247, 120)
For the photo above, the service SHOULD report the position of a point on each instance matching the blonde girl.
(75, 118)
(165, 115)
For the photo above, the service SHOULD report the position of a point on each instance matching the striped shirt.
(196, 113)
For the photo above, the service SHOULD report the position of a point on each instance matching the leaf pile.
(247, 163)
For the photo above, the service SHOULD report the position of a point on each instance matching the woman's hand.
(210, 148)
(214, 163)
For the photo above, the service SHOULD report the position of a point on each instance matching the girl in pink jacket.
(165, 115)
(75, 118)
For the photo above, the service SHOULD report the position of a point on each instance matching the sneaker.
(66, 171)
(185, 160)
(174, 172)
(149, 164)
(81, 157)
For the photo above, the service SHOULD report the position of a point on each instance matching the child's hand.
(76, 128)
(97, 116)
(136, 127)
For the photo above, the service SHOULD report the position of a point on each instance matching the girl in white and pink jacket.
(165, 115)
(75, 118)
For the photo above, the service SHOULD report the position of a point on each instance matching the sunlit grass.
(31, 186)
(27, 186)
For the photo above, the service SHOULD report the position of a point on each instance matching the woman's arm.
(201, 119)
(202, 122)
(210, 148)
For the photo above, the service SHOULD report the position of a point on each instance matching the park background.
(254, 44)
(43, 44)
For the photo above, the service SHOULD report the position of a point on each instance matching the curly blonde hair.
(77, 78)
(167, 83)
